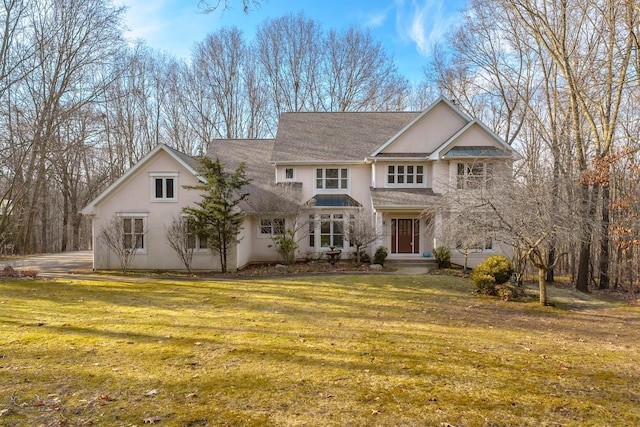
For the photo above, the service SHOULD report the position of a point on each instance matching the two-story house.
(321, 173)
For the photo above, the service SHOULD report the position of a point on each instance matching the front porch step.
(417, 266)
(416, 261)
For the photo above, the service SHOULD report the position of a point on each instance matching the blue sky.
(407, 28)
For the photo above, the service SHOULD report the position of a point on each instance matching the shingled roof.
(264, 195)
(337, 137)
(402, 197)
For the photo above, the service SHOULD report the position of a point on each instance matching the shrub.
(364, 257)
(442, 254)
(493, 271)
(509, 291)
(484, 283)
(286, 246)
(380, 255)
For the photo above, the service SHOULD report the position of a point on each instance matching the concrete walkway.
(53, 264)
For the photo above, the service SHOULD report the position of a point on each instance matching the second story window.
(163, 187)
(288, 173)
(405, 174)
(475, 175)
(332, 179)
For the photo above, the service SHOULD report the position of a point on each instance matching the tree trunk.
(551, 260)
(542, 285)
(588, 216)
(582, 283)
(65, 222)
(604, 240)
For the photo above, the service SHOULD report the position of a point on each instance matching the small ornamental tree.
(217, 215)
(361, 233)
(178, 239)
(123, 240)
(286, 246)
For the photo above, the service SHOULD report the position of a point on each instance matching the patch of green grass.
(323, 350)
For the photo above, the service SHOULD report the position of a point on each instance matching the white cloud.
(168, 25)
(423, 22)
(144, 18)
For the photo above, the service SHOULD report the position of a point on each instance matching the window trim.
(463, 180)
(271, 226)
(197, 249)
(164, 176)
(323, 179)
(405, 174)
(459, 247)
(293, 173)
(315, 233)
(133, 216)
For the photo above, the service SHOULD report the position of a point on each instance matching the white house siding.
(135, 196)
(426, 135)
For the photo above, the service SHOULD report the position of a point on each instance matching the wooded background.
(557, 79)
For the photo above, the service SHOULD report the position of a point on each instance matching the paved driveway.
(54, 263)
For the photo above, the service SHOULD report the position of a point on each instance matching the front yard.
(315, 350)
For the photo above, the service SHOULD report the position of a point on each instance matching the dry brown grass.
(319, 350)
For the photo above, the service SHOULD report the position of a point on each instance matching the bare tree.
(361, 232)
(210, 6)
(358, 73)
(290, 53)
(220, 61)
(124, 237)
(591, 43)
(180, 240)
(74, 40)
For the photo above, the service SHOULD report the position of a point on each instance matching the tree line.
(80, 104)
(558, 79)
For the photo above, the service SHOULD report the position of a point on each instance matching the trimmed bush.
(493, 271)
(509, 291)
(380, 255)
(442, 254)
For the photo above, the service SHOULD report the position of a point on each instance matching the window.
(272, 226)
(312, 231)
(163, 187)
(332, 230)
(405, 174)
(481, 245)
(475, 175)
(133, 231)
(288, 173)
(332, 179)
(197, 242)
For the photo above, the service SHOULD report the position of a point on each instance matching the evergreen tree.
(218, 216)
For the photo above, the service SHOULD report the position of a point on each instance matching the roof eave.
(90, 209)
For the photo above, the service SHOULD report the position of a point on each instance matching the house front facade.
(322, 174)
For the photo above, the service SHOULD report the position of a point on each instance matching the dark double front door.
(405, 236)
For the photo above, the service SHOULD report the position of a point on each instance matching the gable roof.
(188, 162)
(338, 137)
(416, 119)
(440, 152)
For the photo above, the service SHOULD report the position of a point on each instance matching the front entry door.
(405, 236)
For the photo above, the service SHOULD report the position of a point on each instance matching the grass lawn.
(356, 350)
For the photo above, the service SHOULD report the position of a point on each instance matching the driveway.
(52, 264)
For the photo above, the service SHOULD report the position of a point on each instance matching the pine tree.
(217, 215)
